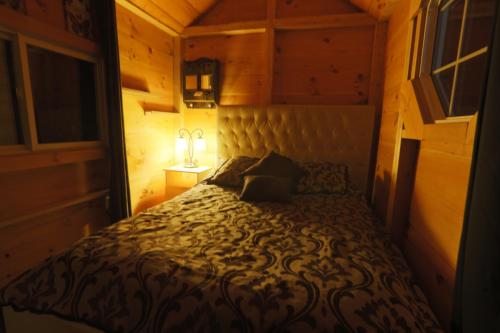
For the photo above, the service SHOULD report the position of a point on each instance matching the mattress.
(208, 262)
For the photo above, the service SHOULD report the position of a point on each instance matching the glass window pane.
(448, 34)
(10, 125)
(478, 25)
(444, 83)
(470, 83)
(64, 97)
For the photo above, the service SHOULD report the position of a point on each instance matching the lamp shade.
(200, 144)
(181, 143)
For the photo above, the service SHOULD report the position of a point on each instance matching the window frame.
(21, 42)
(423, 35)
(13, 38)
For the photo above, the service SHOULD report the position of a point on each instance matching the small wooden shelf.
(145, 100)
(150, 107)
(136, 92)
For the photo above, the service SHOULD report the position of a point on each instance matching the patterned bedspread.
(207, 262)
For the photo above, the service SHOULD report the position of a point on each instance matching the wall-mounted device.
(200, 83)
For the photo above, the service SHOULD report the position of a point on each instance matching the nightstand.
(179, 179)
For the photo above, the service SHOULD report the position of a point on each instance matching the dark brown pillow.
(229, 173)
(267, 188)
(276, 165)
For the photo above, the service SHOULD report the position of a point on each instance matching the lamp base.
(191, 165)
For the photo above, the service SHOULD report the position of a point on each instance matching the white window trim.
(25, 96)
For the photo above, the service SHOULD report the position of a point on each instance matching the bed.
(208, 262)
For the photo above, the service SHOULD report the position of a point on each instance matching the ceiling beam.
(325, 22)
(381, 9)
(225, 29)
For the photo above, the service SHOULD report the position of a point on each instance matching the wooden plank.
(30, 160)
(16, 21)
(381, 9)
(50, 12)
(383, 178)
(149, 62)
(236, 28)
(334, 70)
(324, 22)
(298, 8)
(146, 56)
(142, 11)
(30, 191)
(150, 142)
(375, 94)
(25, 244)
(433, 273)
(399, 211)
(156, 107)
(49, 210)
(229, 11)
(176, 15)
(271, 42)
(177, 72)
(243, 65)
(377, 67)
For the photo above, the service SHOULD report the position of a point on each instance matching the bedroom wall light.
(190, 142)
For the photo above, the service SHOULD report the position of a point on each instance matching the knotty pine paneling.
(150, 140)
(147, 63)
(228, 11)
(44, 195)
(327, 66)
(381, 9)
(438, 199)
(175, 14)
(242, 58)
(146, 56)
(28, 191)
(298, 8)
(51, 12)
(397, 36)
(23, 245)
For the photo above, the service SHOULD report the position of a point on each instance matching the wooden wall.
(288, 52)
(48, 199)
(151, 118)
(243, 70)
(335, 70)
(438, 197)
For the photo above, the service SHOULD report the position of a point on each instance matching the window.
(10, 124)
(49, 95)
(64, 97)
(454, 52)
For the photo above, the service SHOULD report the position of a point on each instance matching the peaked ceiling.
(381, 9)
(178, 14)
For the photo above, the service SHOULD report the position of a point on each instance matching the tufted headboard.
(341, 134)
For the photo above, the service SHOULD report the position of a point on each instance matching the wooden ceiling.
(178, 14)
(381, 9)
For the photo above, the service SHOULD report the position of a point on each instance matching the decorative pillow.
(275, 165)
(229, 172)
(267, 188)
(323, 177)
